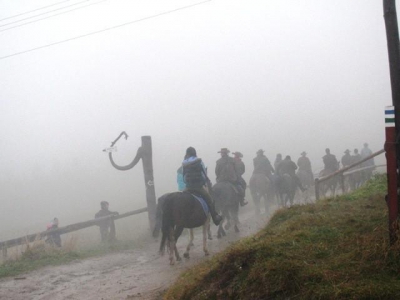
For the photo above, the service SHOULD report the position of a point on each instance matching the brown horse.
(181, 210)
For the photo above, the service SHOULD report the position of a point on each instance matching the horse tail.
(166, 221)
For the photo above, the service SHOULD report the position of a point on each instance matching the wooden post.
(390, 147)
(147, 159)
(316, 188)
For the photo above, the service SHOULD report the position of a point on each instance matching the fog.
(283, 76)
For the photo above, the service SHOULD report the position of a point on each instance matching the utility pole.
(391, 145)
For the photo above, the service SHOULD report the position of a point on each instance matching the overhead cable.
(44, 13)
(29, 11)
(64, 12)
(106, 29)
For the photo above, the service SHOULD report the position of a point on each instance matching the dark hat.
(287, 157)
(347, 151)
(303, 153)
(224, 150)
(237, 153)
(103, 203)
(260, 151)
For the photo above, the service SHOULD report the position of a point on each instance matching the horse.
(226, 201)
(260, 187)
(328, 185)
(181, 210)
(287, 189)
(158, 223)
(306, 178)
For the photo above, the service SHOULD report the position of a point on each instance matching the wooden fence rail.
(62, 230)
(341, 172)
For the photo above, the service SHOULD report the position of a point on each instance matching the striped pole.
(390, 147)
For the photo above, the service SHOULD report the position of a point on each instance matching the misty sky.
(284, 76)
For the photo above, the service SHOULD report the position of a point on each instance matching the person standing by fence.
(107, 227)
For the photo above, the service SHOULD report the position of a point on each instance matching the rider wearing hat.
(226, 171)
(195, 178)
(240, 169)
(287, 166)
(262, 165)
(346, 158)
(305, 165)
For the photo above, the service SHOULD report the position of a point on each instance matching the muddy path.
(139, 273)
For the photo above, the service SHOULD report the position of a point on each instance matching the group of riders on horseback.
(192, 175)
(197, 199)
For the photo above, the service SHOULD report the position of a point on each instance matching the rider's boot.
(243, 202)
(214, 216)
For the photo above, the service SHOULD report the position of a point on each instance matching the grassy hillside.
(334, 249)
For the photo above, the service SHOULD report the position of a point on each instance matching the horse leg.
(205, 226)
(178, 232)
(190, 244)
(209, 228)
(172, 246)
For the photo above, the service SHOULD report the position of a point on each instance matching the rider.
(262, 165)
(226, 171)
(287, 166)
(195, 178)
(330, 161)
(240, 169)
(347, 159)
(278, 160)
(305, 165)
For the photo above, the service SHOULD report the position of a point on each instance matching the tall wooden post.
(390, 147)
(147, 159)
(392, 35)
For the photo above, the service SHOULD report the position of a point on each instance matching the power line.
(106, 29)
(20, 25)
(27, 18)
(27, 12)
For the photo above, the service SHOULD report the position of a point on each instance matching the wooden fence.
(62, 230)
(341, 173)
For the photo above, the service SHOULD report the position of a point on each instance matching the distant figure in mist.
(356, 157)
(107, 227)
(278, 160)
(287, 166)
(240, 169)
(305, 170)
(262, 165)
(330, 162)
(347, 159)
(225, 171)
(365, 152)
(53, 239)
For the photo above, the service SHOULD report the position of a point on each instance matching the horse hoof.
(186, 255)
(206, 253)
(171, 262)
(191, 244)
(219, 236)
(237, 229)
(210, 238)
(178, 259)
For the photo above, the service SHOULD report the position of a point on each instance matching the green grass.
(334, 249)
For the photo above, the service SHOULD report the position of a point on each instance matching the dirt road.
(133, 274)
